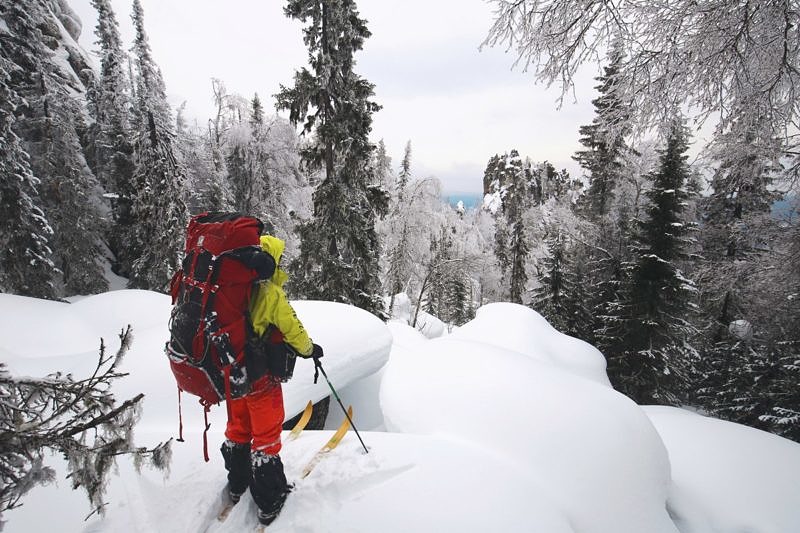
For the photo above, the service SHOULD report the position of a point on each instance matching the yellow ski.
(331, 444)
(301, 424)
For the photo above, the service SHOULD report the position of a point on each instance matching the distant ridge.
(471, 199)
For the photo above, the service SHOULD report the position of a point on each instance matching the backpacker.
(209, 326)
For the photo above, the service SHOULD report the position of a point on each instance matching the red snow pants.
(257, 419)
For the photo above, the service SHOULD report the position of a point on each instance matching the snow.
(503, 425)
(427, 324)
(741, 329)
(741, 478)
(492, 202)
(499, 392)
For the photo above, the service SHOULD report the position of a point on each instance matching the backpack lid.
(219, 232)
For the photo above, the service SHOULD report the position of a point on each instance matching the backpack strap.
(206, 426)
(180, 417)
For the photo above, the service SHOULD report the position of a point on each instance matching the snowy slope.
(504, 425)
(729, 477)
(510, 383)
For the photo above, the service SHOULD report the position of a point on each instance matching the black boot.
(237, 463)
(268, 486)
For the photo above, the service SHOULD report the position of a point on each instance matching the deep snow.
(503, 425)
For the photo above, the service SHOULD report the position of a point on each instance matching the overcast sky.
(458, 105)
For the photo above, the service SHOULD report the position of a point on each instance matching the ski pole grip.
(317, 367)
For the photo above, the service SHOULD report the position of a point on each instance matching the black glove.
(316, 353)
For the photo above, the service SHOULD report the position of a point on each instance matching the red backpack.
(209, 326)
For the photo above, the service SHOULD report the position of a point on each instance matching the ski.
(225, 512)
(302, 423)
(331, 444)
(227, 506)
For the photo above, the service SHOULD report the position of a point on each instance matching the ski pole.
(318, 367)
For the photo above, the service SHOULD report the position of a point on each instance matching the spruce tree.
(68, 194)
(742, 248)
(736, 213)
(561, 297)
(383, 168)
(441, 255)
(49, 124)
(339, 246)
(112, 132)
(604, 140)
(516, 178)
(265, 196)
(26, 266)
(549, 297)
(653, 356)
(459, 299)
(405, 171)
(256, 112)
(518, 247)
(158, 207)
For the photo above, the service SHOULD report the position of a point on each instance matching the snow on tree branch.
(79, 418)
(704, 54)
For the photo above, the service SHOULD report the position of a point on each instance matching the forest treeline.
(682, 275)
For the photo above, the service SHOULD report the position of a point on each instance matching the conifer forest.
(686, 277)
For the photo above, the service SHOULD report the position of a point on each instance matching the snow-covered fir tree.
(383, 167)
(26, 266)
(604, 141)
(68, 192)
(111, 132)
(405, 171)
(653, 357)
(396, 229)
(561, 296)
(518, 250)
(159, 206)
(737, 225)
(741, 273)
(613, 196)
(339, 251)
(50, 124)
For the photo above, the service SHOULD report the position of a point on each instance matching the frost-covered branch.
(78, 418)
(703, 54)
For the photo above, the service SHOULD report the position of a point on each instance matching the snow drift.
(503, 425)
(510, 383)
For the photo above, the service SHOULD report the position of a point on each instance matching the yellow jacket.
(270, 306)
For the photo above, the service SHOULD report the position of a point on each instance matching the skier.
(253, 433)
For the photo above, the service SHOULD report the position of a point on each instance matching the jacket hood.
(274, 247)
